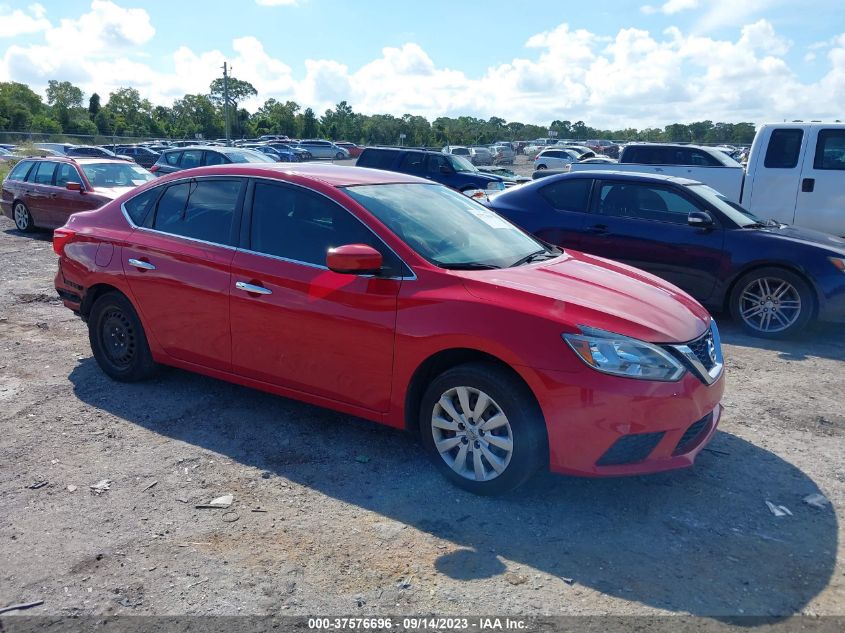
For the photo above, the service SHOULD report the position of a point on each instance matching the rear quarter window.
(784, 149)
(139, 207)
(172, 158)
(376, 159)
(20, 170)
(568, 195)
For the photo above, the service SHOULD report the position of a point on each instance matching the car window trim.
(587, 203)
(241, 213)
(246, 219)
(236, 219)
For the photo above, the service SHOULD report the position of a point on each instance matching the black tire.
(22, 217)
(539, 167)
(118, 340)
(751, 315)
(526, 432)
(339, 156)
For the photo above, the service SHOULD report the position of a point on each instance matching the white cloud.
(633, 78)
(727, 13)
(277, 3)
(671, 7)
(18, 22)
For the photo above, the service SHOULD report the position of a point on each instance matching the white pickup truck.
(795, 172)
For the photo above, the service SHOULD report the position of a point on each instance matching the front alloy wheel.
(772, 303)
(482, 428)
(472, 433)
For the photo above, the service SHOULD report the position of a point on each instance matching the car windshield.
(735, 212)
(445, 227)
(247, 156)
(116, 174)
(460, 164)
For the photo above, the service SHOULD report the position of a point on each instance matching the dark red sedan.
(44, 192)
(399, 300)
(353, 149)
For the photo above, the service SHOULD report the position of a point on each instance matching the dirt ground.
(334, 515)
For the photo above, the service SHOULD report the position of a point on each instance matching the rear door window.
(214, 158)
(43, 173)
(172, 158)
(830, 150)
(191, 158)
(568, 195)
(412, 163)
(784, 149)
(200, 209)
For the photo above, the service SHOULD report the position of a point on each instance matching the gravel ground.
(334, 515)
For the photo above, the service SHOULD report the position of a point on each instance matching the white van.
(795, 174)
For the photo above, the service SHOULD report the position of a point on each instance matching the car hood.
(579, 289)
(805, 236)
(483, 176)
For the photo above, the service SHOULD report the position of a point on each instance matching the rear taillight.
(61, 238)
(154, 168)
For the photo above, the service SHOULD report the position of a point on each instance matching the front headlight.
(623, 356)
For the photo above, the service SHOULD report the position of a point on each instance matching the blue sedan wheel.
(772, 303)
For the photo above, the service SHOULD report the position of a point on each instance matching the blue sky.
(627, 63)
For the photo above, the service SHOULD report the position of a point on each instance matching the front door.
(66, 202)
(821, 196)
(645, 225)
(299, 325)
(178, 269)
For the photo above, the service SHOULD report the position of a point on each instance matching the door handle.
(252, 288)
(599, 229)
(808, 184)
(141, 264)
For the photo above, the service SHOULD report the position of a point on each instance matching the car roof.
(332, 175)
(622, 175)
(78, 160)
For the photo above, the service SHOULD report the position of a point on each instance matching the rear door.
(821, 195)
(308, 328)
(37, 191)
(178, 268)
(557, 214)
(645, 225)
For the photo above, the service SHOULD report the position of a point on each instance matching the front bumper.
(600, 425)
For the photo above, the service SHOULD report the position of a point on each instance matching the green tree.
(307, 124)
(93, 105)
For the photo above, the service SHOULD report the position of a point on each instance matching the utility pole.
(226, 100)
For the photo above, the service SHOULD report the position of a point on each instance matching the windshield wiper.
(466, 266)
(537, 256)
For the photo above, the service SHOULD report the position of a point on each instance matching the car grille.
(691, 436)
(700, 348)
(629, 449)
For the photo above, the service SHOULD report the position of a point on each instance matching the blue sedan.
(773, 278)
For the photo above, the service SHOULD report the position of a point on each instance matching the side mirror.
(699, 219)
(355, 259)
(73, 186)
(446, 170)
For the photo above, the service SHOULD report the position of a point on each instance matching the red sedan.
(353, 149)
(44, 192)
(399, 300)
